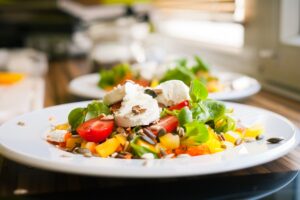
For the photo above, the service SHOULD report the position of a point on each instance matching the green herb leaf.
(76, 117)
(196, 133)
(95, 109)
(200, 65)
(185, 116)
(198, 91)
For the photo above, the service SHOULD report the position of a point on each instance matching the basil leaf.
(95, 109)
(76, 117)
(198, 91)
(196, 133)
(185, 116)
(200, 65)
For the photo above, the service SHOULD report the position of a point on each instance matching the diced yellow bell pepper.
(73, 142)
(142, 143)
(170, 141)
(232, 136)
(254, 131)
(154, 83)
(108, 147)
(121, 138)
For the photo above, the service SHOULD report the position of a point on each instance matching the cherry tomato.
(180, 105)
(169, 123)
(95, 130)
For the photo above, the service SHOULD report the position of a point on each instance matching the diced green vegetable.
(140, 150)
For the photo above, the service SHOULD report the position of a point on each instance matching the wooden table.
(19, 179)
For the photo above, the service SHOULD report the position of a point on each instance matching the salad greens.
(79, 115)
(113, 76)
(184, 72)
(202, 112)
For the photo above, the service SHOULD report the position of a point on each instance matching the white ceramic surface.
(245, 86)
(26, 144)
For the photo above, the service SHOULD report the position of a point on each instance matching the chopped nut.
(221, 137)
(121, 130)
(138, 110)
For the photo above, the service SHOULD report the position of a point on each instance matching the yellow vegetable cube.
(121, 138)
(214, 145)
(154, 83)
(73, 142)
(170, 141)
(108, 147)
(232, 136)
(254, 131)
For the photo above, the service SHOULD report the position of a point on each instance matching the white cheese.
(126, 118)
(118, 93)
(173, 92)
(56, 135)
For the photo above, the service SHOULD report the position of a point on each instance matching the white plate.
(26, 144)
(245, 86)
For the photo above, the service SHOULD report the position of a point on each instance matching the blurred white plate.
(238, 86)
(26, 144)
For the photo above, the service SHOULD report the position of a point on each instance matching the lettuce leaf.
(196, 133)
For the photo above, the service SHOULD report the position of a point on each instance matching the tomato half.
(169, 123)
(180, 105)
(95, 130)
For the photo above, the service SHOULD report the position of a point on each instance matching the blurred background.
(258, 38)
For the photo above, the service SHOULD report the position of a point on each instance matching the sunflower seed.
(180, 131)
(147, 139)
(274, 140)
(221, 137)
(126, 145)
(163, 152)
(149, 133)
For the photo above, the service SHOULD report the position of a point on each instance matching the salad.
(152, 75)
(168, 121)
